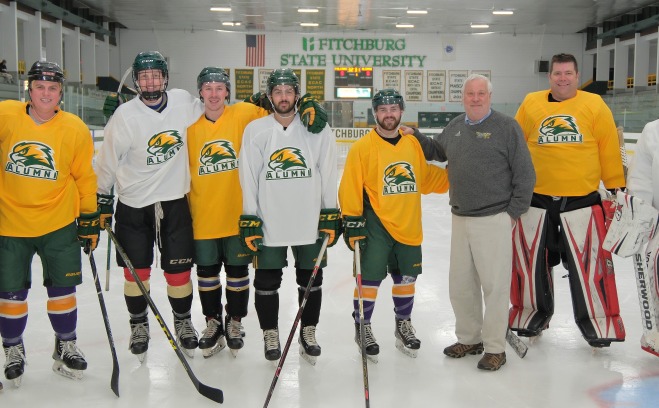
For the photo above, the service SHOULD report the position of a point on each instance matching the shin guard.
(532, 287)
(591, 276)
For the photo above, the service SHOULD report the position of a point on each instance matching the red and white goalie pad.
(633, 224)
(592, 279)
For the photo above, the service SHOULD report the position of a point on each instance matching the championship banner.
(414, 86)
(315, 83)
(456, 80)
(391, 79)
(244, 83)
(436, 86)
(263, 79)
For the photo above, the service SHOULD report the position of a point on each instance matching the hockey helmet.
(150, 60)
(45, 71)
(388, 96)
(283, 76)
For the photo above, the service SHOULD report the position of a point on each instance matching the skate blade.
(141, 357)
(219, 346)
(60, 368)
(234, 352)
(188, 352)
(17, 381)
(309, 359)
(372, 358)
(407, 351)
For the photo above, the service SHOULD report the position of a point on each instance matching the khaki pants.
(481, 268)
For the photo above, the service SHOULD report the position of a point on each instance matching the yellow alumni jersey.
(393, 177)
(573, 144)
(46, 175)
(216, 200)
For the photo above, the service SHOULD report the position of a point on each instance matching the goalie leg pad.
(646, 269)
(531, 291)
(591, 276)
(634, 223)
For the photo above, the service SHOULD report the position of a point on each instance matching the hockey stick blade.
(214, 394)
(517, 345)
(114, 380)
(284, 352)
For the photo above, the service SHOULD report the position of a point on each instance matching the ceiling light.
(479, 25)
(231, 23)
(307, 10)
(503, 12)
(404, 25)
(417, 11)
(309, 24)
(221, 9)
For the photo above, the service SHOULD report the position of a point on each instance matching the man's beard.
(290, 109)
(384, 126)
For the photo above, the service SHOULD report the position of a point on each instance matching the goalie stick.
(284, 352)
(358, 275)
(211, 393)
(647, 298)
(516, 343)
(114, 379)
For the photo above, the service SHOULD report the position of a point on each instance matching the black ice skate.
(212, 338)
(139, 337)
(234, 334)
(69, 360)
(271, 346)
(406, 341)
(186, 335)
(372, 347)
(309, 348)
(15, 363)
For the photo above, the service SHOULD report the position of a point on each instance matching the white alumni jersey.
(144, 153)
(287, 176)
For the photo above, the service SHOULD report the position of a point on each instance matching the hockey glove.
(106, 207)
(312, 114)
(89, 228)
(330, 224)
(251, 232)
(111, 104)
(354, 230)
(261, 100)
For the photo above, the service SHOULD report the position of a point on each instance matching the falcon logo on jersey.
(163, 146)
(32, 159)
(559, 129)
(287, 163)
(217, 156)
(399, 179)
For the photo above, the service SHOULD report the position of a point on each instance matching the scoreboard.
(353, 82)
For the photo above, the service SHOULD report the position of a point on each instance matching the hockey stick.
(516, 343)
(362, 336)
(109, 255)
(316, 267)
(114, 381)
(211, 393)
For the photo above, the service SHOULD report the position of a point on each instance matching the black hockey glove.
(106, 207)
(354, 230)
(251, 232)
(89, 228)
(330, 223)
(261, 100)
(312, 114)
(111, 104)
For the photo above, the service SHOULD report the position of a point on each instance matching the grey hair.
(474, 77)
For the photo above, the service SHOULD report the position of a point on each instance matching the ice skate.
(69, 360)
(406, 341)
(212, 338)
(650, 343)
(186, 335)
(139, 337)
(372, 347)
(15, 363)
(235, 334)
(309, 348)
(271, 346)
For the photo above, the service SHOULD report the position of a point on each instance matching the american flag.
(255, 50)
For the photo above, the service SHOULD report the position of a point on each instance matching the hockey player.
(574, 144)
(145, 158)
(289, 183)
(492, 178)
(380, 198)
(47, 182)
(643, 182)
(215, 197)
